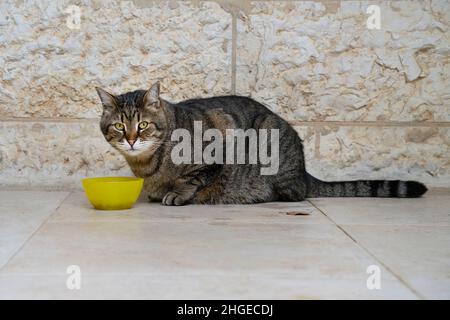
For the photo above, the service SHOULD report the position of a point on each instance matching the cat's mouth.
(127, 149)
(139, 148)
(134, 151)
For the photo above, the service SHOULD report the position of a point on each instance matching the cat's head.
(134, 122)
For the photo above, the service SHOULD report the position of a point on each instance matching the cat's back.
(224, 112)
(231, 104)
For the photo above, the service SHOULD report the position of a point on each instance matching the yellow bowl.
(113, 193)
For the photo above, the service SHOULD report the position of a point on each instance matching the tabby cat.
(139, 125)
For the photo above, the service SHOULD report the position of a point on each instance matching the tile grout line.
(293, 122)
(388, 269)
(405, 124)
(34, 232)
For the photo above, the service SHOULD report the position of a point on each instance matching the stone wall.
(368, 103)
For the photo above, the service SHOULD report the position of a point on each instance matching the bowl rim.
(112, 179)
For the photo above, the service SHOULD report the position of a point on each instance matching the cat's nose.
(131, 142)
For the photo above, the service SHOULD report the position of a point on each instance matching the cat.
(140, 124)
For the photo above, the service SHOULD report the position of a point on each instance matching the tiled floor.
(260, 251)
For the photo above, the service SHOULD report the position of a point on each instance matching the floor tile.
(234, 259)
(247, 285)
(432, 209)
(78, 208)
(21, 214)
(418, 254)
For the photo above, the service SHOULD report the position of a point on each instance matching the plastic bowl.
(112, 193)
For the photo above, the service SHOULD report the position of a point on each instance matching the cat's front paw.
(173, 199)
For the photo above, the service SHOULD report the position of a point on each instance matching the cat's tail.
(364, 188)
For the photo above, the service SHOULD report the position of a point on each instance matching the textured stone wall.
(368, 103)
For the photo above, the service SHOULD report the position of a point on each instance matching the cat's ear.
(151, 97)
(108, 100)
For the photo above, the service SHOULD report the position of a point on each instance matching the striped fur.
(365, 188)
(149, 156)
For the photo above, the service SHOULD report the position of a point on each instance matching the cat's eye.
(142, 125)
(119, 126)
